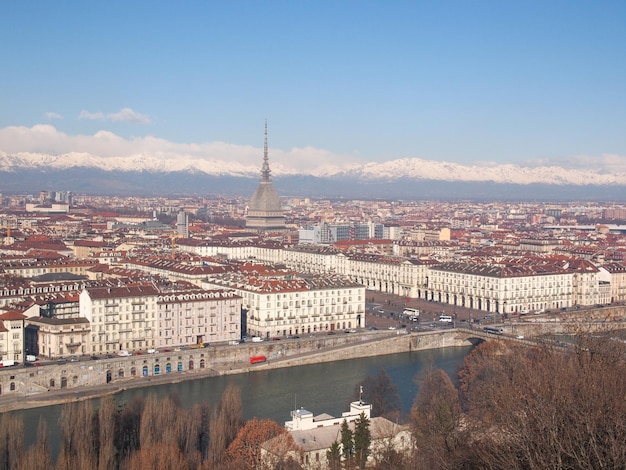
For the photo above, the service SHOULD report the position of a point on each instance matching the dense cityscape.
(426, 269)
(110, 279)
(70, 259)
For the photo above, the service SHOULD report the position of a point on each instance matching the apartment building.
(122, 317)
(615, 275)
(198, 317)
(393, 274)
(422, 278)
(280, 306)
(12, 335)
(585, 283)
(55, 337)
(500, 288)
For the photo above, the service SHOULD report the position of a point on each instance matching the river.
(320, 388)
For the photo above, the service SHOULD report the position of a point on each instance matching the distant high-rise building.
(264, 210)
(182, 224)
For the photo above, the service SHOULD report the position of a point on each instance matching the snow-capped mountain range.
(401, 178)
(405, 168)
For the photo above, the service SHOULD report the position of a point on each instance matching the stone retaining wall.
(222, 359)
(216, 360)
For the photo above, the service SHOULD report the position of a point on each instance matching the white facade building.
(121, 318)
(497, 285)
(314, 435)
(279, 306)
(198, 317)
(500, 288)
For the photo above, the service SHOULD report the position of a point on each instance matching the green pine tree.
(362, 440)
(333, 455)
(347, 443)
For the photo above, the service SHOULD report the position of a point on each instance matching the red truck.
(257, 359)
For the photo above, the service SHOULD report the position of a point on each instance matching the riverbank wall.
(25, 387)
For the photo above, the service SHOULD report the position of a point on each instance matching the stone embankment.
(24, 387)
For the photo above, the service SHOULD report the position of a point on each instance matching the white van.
(257, 339)
(123, 353)
(445, 318)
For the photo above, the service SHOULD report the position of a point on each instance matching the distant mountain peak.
(394, 170)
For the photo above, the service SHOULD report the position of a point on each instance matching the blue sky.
(526, 82)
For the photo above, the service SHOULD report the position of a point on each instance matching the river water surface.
(320, 388)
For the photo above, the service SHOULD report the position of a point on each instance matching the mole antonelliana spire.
(264, 210)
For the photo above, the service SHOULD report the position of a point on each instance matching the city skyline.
(341, 85)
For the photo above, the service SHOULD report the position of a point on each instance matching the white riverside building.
(279, 306)
(314, 436)
(499, 288)
(198, 317)
(121, 318)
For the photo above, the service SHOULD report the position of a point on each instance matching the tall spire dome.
(265, 169)
(264, 210)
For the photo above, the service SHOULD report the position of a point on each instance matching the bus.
(494, 330)
(412, 313)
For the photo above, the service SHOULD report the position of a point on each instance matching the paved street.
(385, 310)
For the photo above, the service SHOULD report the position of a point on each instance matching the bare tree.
(548, 408)
(106, 431)
(129, 425)
(436, 423)
(158, 456)
(244, 452)
(227, 420)
(381, 393)
(11, 441)
(38, 455)
(78, 443)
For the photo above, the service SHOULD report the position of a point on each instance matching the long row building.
(498, 284)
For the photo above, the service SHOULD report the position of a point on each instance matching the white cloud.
(91, 116)
(113, 150)
(46, 139)
(123, 115)
(605, 163)
(51, 115)
(128, 115)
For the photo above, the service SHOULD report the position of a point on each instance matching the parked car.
(62, 360)
(73, 359)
